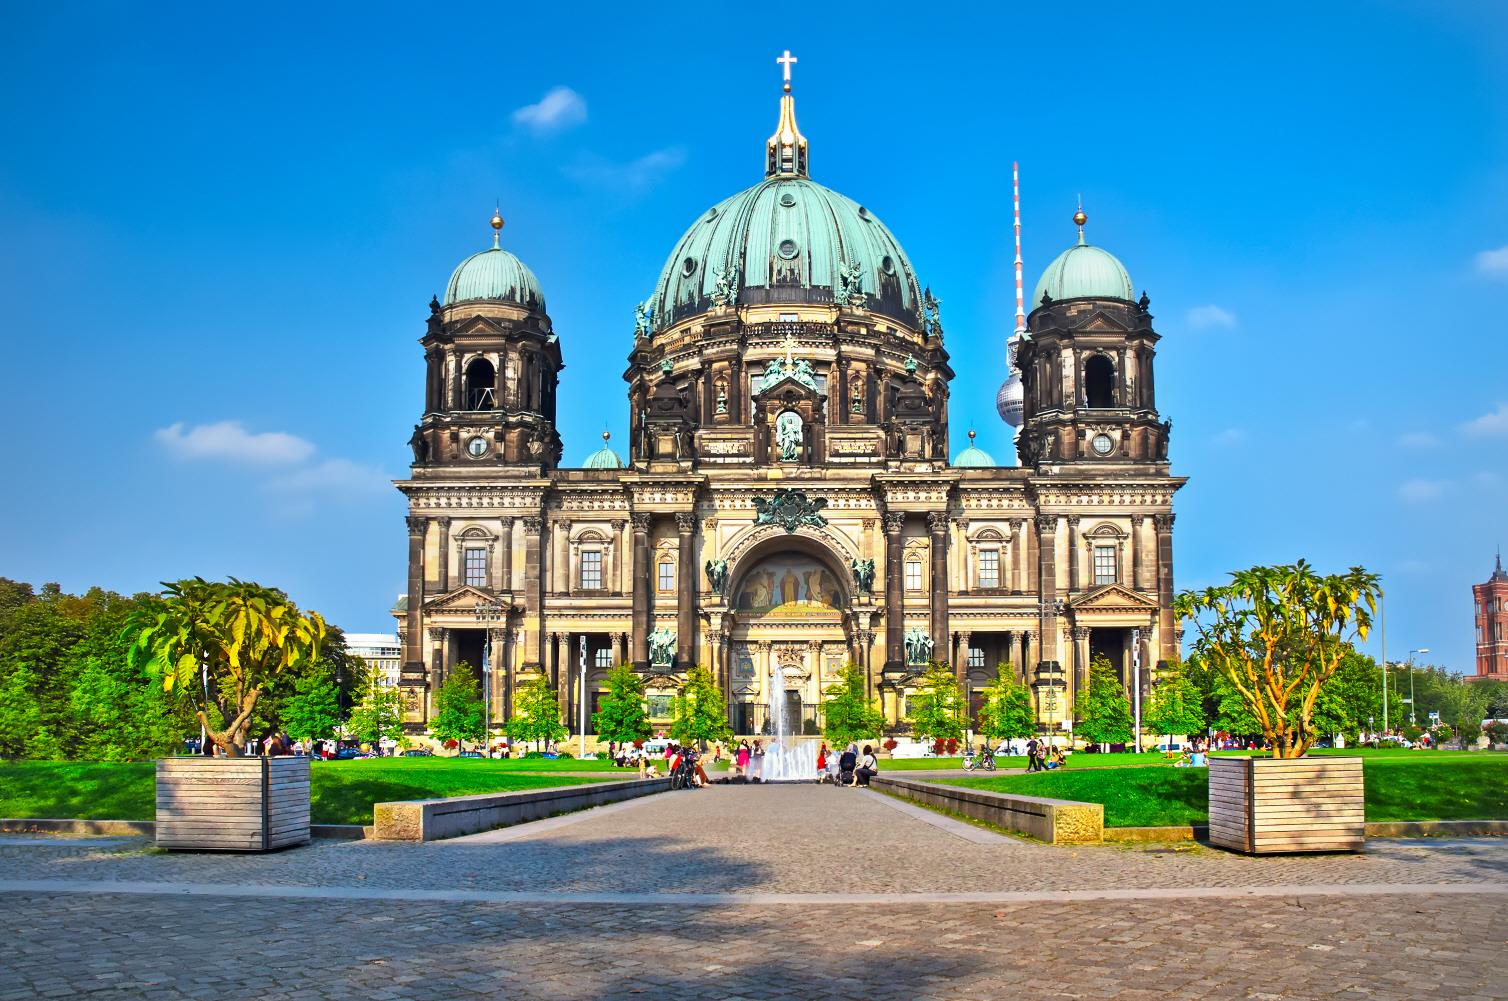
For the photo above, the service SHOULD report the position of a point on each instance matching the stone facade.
(1491, 600)
(787, 504)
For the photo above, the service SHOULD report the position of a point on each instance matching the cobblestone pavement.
(1325, 926)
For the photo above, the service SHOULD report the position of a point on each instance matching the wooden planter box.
(232, 804)
(1268, 806)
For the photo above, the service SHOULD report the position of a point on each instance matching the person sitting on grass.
(1055, 757)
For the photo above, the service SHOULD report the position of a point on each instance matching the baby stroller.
(847, 763)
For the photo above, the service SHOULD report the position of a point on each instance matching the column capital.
(685, 523)
(507, 522)
(532, 524)
(1081, 632)
(937, 521)
(1073, 522)
(1047, 523)
(618, 524)
(1137, 520)
(416, 524)
(640, 521)
(444, 522)
(894, 522)
(1163, 522)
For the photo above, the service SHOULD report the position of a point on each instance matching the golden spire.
(785, 151)
(1079, 219)
(497, 225)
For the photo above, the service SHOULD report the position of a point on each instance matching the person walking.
(1031, 755)
(821, 761)
(742, 760)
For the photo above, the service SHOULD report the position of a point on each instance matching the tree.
(313, 711)
(1278, 635)
(1464, 708)
(1007, 711)
(20, 719)
(459, 712)
(700, 715)
(220, 645)
(1102, 708)
(1176, 706)
(848, 717)
(622, 716)
(937, 708)
(536, 713)
(377, 717)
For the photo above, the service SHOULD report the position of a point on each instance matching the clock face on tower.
(476, 447)
(1102, 444)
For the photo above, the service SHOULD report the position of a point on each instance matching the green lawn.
(1424, 786)
(342, 792)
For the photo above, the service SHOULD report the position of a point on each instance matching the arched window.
(481, 380)
(1099, 382)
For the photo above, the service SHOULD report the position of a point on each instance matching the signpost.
(581, 703)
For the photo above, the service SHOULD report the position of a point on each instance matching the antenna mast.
(1016, 204)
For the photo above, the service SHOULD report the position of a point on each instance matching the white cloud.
(330, 476)
(1493, 263)
(1493, 423)
(1230, 436)
(1211, 318)
(1418, 439)
(559, 109)
(633, 177)
(231, 440)
(1418, 491)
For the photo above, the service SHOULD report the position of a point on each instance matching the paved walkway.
(758, 892)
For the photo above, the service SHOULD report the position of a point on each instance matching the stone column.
(964, 639)
(444, 567)
(1080, 658)
(505, 555)
(613, 573)
(1047, 577)
(895, 648)
(1018, 654)
(685, 615)
(510, 644)
(534, 612)
(938, 524)
(1136, 525)
(413, 637)
(641, 572)
(1030, 554)
(620, 649)
(561, 674)
(1167, 638)
(559, 577)
(1073, 553)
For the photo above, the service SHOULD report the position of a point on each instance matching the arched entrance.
(789, 598)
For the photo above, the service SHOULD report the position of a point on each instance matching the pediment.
(789, 389)
(1102, 322)
(462, 599)
(479, 325)
(1112, 598)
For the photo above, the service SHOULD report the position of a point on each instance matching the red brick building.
(1492, 624)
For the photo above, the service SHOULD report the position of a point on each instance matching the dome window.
(688, 267)
(788, 249)
(864, 214)
(712, 213)
(788, 200)
(887, 265)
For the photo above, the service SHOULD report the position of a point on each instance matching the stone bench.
(433, 819)
(1055, 821)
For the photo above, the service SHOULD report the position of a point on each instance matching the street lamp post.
(487, 613)
(1413, 714)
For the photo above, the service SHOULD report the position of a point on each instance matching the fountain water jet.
(786, 759)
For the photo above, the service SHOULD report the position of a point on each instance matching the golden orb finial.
(971, 436)
(497, 225)
(605, 436)
(1079, 218)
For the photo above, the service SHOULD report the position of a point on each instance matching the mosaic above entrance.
(789, 585)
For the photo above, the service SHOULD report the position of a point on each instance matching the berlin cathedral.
(788, 501)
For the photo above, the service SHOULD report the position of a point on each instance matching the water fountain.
(786, 759)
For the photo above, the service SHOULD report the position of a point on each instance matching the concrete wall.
(433, 819)
(1056, 821)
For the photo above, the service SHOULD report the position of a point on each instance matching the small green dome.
(790, 240)
(1084, 272)
(604, 457)
(973, 457)
(494, 275)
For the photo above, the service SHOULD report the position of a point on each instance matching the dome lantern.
(604, 457)
(785, 151)
(1084, 271)
(973, 457)
(494, 275)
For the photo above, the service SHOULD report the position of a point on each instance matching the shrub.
(890, 744)
(452, 744)
(952, 745)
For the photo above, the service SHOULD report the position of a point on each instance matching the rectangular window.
(591, 569)
(976, 657)
(1104, 564)
(667, 576)
(605, 657)
(989, 568)
(476, 567)
(913, 575)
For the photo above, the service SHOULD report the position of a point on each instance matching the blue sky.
(222, 227)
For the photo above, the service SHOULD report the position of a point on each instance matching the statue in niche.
(863, 575)
(788, 435)
(856, 406)
(717, 575)
(721, 405)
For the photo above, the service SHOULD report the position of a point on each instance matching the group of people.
(683, 764)
(848, 768)
(1042, 756)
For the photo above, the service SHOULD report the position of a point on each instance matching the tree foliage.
(313, 711)
(220, 644)
(699, 713)
(536, 713)
(1277, 634)
(378, 716)
(937, 710)
(1007, 711)
(847, 716)
(622, 716)
(1176, 706)
(459, 711)
(1103, 710)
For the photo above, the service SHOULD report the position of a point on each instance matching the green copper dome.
(790, 240)
(604, 457)
(973, 457)
(1084, 272)
(494, 275)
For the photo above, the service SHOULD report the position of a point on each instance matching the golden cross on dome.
(786, 62)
